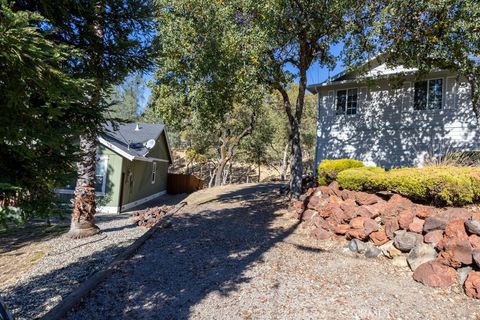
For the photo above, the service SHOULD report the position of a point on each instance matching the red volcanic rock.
(313, 202)
(329, 210)
(376, 209)
(455, 229)
(348, 203)
(405, 218)
(299, 204)
(424, 212)
(357, 222)
(474, 241)
(472, 285)
(390, 225)
(363, 198)
(334, 199)
(435, 223)
(476, 256)
(456, 214)
(378, 237)
(433, 237)
(320, 234)
(397, 203)
(348, 195)
(456, 253)
(359, 234)
(342, 229)
(416, 225)
(309, 214)
(370, 226)
(435, 274)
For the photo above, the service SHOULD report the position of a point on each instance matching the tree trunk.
(219, 172)
(259, 165)
(283, 174)
(296, 163)
(84, 205)
(475, 96)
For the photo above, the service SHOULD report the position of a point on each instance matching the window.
(347, 101)
(428, 94)
(154, 171)
(101, 175)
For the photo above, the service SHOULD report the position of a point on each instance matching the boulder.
(309, 214)
(476, 256)
(405, 241)
(456, 253)
(434, 237)
(376, 209)
(474, 241)
(424, 212)
(473, 226)
(462, 274)
(455, 229)
(370, 226)
(341, 229)
(357, 222)
(320, 234)
(378, 237)
(330, 209)
(472, 285)
(389, 250)
(372, 252)
(360, 234)
(435, 274)
(420, 254)
(314, 201)
(390, 225)
(358, 246)
(416, 225)
(457, 214)
(363, 198)
(435, 223)
(405, 218)
(396, 204)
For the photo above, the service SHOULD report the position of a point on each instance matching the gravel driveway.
(240, 257)
(69, 262)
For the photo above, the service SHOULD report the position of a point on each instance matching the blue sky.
(315, 74)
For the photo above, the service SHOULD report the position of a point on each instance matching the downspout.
(315, 162)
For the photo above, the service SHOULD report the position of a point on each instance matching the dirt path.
(240, 257)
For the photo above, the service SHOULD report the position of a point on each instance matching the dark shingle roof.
(130, 141)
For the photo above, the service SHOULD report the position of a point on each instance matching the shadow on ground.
(207, 250)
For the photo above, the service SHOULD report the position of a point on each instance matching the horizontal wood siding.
(387, 131)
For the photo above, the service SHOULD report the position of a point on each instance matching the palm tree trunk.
(84, 204)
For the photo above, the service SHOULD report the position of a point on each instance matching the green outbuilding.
(132, 166)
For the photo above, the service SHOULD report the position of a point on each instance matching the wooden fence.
(183, 183)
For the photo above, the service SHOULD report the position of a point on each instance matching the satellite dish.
(150, 144)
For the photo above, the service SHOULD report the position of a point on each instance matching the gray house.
(386, 117)
(132, 166)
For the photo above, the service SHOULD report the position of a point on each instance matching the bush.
(329, 169)
(441, 185)
(359, 179)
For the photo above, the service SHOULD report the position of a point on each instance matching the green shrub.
(329, 169)
(441, 185)
(360, 179)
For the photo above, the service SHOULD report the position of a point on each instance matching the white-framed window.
(428, 95)
(347, 101)
(101, 175)
(154, 171)
(100, 179)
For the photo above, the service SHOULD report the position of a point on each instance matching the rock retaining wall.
(440, 245)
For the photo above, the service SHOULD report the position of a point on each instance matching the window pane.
(100, 172)
(341, 101)
(420, 102)
(352, 101)
(435, 94)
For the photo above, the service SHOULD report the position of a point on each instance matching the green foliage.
(358, 179)
(41, 114)
(329, 169)
(441, 185)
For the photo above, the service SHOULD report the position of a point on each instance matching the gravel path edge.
(74, 298)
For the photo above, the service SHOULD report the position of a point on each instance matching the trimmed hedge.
(329, 169)
(441, 185)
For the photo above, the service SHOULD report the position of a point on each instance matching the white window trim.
(428, 91)
(154, 172)
(104, 184)
(346, 101)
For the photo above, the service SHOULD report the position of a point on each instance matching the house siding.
(387, 131)
(138, 174)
